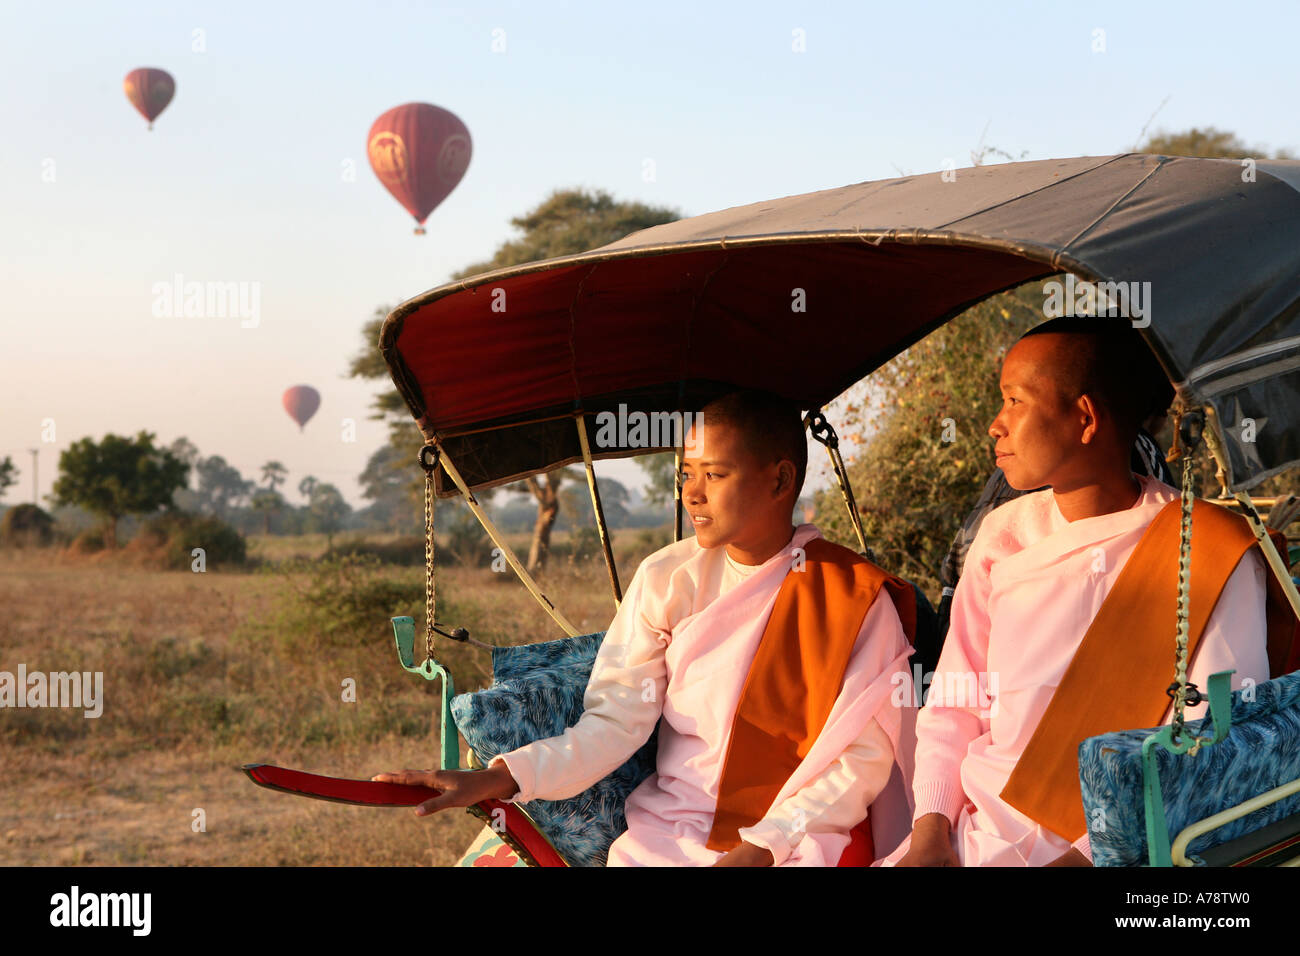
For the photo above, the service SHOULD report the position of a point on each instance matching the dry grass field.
(204, 672)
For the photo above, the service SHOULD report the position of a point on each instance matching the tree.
(328, 509)
(394, 483)
(184, 449)
(921, 420)
(388, 405)
(1212, 143)
(392, 478)
(269, 502)
(575, 502)
(1209, 143)
(274, 474)
(567, 222)
(659, 467)
(117, 477)
(548, 509)
(221, 486)
(614, 499)
(927, 452)
(185, 499)
(307, 486)
(8, 475)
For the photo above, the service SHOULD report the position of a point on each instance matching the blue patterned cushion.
(1261, 751)
(537, 692)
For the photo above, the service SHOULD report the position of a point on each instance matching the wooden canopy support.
(599, 510)
(507, 552)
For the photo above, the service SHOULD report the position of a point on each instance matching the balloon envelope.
(149, 91)
(301, 403)
(419, 152)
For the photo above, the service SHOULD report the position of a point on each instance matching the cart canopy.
(806, 295)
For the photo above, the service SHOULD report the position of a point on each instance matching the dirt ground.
(206, 672)
(144, 810)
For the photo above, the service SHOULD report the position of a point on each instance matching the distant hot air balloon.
(149, 91)
(419, 152)
(301, 403)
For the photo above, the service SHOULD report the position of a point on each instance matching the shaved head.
(771, 427)
(1074, 394)
(1107, 360)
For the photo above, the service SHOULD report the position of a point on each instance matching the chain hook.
(821, 430)
(427, 464)
(1191, 430)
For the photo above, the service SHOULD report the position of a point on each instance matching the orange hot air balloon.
(419, 152)
(149, 91)
(301, 403)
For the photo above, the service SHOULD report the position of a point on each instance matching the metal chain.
(1183, 693)
(458, 634)
(1184, 594)
(821, 430)
(430, 594)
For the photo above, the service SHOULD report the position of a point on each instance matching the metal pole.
(599, 510)
(677, 493)
(506, 551)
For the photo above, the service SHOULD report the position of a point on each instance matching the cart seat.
(1260, 753)
(537, 692)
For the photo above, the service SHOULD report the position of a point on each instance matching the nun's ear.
(784, 476)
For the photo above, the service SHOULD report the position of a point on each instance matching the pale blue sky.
(243, 178)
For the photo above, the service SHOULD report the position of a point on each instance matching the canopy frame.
(1221, 256)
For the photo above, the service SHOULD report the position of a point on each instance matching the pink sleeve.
(946, 727)
(622, 704)
(836, 801)
(1084, 846)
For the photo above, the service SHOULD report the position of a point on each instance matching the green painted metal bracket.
(1220, 694)
(404, 634)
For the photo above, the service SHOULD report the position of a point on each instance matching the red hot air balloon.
(419, 152)
(149, 91)
(301, 403)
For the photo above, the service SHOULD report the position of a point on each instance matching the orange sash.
(1118, 676)
(795, 677)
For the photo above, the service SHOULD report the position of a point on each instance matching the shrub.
(169, 540)
(406, 551)
(89, 541)
(584, 545)
(26, 526)
(927, 452)
(649, 540)
(346, 597)
(467, 541)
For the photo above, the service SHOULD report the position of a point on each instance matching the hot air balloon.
(149, 91)
(419, 152)
(301, 403)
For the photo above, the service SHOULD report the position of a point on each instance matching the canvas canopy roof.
(806, 295)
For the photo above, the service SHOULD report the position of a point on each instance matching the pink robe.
(1032, 585)
(680, 646)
